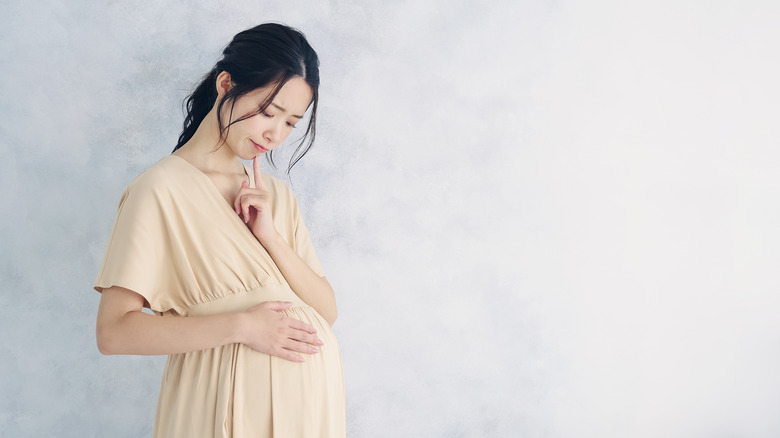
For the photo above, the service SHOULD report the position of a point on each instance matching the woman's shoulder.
(284, 200)
(275, 183)
(160, 182)
(162, 175)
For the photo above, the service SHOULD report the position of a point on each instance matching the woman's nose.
(273, 133)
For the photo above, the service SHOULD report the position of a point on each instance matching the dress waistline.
(241, 301)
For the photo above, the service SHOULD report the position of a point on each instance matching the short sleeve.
(137, 255)
(302, 243)
(290, 223)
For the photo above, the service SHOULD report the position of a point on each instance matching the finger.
(237, 203)
(277, 306)
(292, 357)
(299, 347)
(301, 336)
(259, 184)
(245, 209)
(285, 353)
(302, 326)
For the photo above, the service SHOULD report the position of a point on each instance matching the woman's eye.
(291, 125)
(266, 114)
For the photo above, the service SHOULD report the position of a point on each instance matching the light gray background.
(541, 218)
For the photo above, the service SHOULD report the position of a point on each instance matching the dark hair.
(266, 55)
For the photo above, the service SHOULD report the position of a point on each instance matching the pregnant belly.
(233, 388)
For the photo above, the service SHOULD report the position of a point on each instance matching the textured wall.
(541, 218)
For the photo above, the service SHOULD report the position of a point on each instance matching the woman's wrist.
(238, 325)
(271, 240)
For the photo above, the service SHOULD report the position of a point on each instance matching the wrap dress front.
(180, 245)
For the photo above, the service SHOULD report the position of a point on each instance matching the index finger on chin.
(258, 174)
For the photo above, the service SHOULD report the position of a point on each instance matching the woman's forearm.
(122, 328)
(310, 287)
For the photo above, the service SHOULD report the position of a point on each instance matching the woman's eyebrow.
(284, 110)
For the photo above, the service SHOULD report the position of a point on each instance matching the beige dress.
(180, 245)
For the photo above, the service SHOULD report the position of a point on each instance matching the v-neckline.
(211, 183)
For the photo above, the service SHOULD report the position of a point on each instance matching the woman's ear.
(224, 83)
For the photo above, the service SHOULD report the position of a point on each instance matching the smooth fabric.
(178, 243)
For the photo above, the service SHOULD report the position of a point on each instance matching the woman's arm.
(253, 204)
(310, 287)
(122, 328)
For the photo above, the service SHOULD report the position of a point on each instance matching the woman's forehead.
(294, 96)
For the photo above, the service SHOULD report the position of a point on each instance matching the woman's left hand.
(253, 205)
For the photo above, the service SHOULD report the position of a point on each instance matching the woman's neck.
(204, 150)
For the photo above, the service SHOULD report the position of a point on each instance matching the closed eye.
(271, 116)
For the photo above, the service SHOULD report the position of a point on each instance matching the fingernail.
(314, 350)
(319, 342)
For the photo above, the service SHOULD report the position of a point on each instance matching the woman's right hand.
(268, 330)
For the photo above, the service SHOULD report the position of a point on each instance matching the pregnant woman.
(222, 257)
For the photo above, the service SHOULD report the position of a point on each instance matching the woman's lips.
(258, 147)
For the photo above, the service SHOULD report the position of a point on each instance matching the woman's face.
(265, 131)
